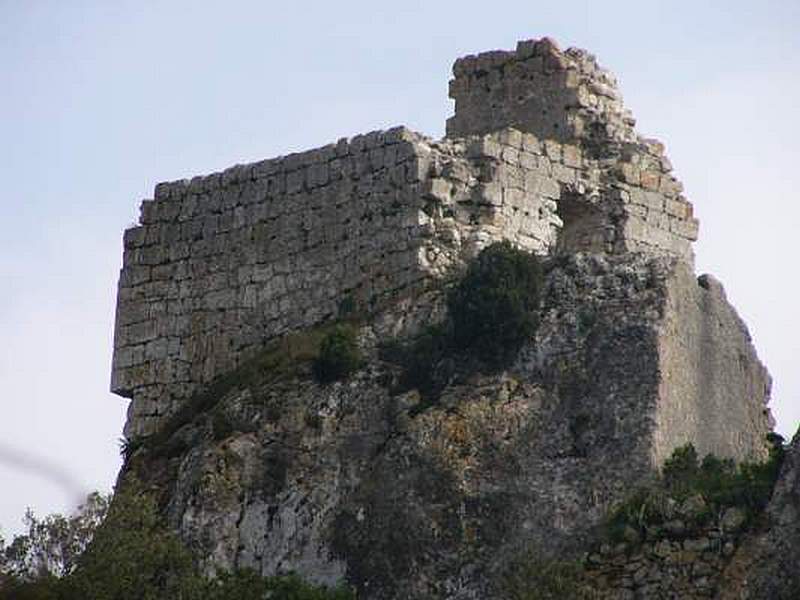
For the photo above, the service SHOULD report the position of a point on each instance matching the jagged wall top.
(221, 263)
(539, 89)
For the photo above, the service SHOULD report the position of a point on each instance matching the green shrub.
(646, 507)
(132, 556)
(681, 469)
(491, 312)
(494, 308)
(129, 446)
(347, 307)
(719, 481)
(338, 354)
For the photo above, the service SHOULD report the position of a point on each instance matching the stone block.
(650, 180)
(572, 156)
(552, 150)
(133, 237)
(629, 173)
(511, 137)
(416, 170)
(564, 174)
(439, 188)
(687, 228)
(376, 158)
(530, 143)
(677, 208)
(485, 146)
(489, 193)
(295, 181)
(528, 161)
(318, 175)
(511, 155)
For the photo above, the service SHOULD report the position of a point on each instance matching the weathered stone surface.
(709, 368)
(539, 89)
(208, 278)
(633, 357)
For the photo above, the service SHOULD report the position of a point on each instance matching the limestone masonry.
(367, 482)
(540, 151)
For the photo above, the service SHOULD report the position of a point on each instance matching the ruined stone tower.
(634, 355)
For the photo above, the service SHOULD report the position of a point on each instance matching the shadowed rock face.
(355, 480)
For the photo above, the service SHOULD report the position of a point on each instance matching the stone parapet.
(554, 94)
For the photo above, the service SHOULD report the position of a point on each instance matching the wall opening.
(585, 228)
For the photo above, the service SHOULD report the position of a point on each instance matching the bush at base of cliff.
(338, 355)
(132, 556)
(494, 308)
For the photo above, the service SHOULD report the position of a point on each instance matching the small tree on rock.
(494, 308)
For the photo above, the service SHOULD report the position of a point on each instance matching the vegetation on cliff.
(494, 308)
(491, 312)
(710, 487)
(119, 549)
(700, 507)
(338, 354)
(329, 352)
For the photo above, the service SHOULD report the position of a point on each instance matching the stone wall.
(221, 263)
(564, 96)
(684, 561)
(633, 355)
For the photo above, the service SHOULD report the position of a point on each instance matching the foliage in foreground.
(133, 557)
(52, 545)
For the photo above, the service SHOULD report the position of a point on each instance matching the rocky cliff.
(231, 279)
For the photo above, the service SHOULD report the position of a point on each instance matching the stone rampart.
(564, 96)
(222, 263)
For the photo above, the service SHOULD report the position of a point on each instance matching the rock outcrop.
(768, 565)
(367, 481)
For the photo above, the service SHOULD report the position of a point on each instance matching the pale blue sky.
(101, 100)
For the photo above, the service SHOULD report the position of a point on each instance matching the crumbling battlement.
(222, 263)
(564, 96)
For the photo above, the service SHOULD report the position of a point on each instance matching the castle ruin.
(633, 356)
(540, 151)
